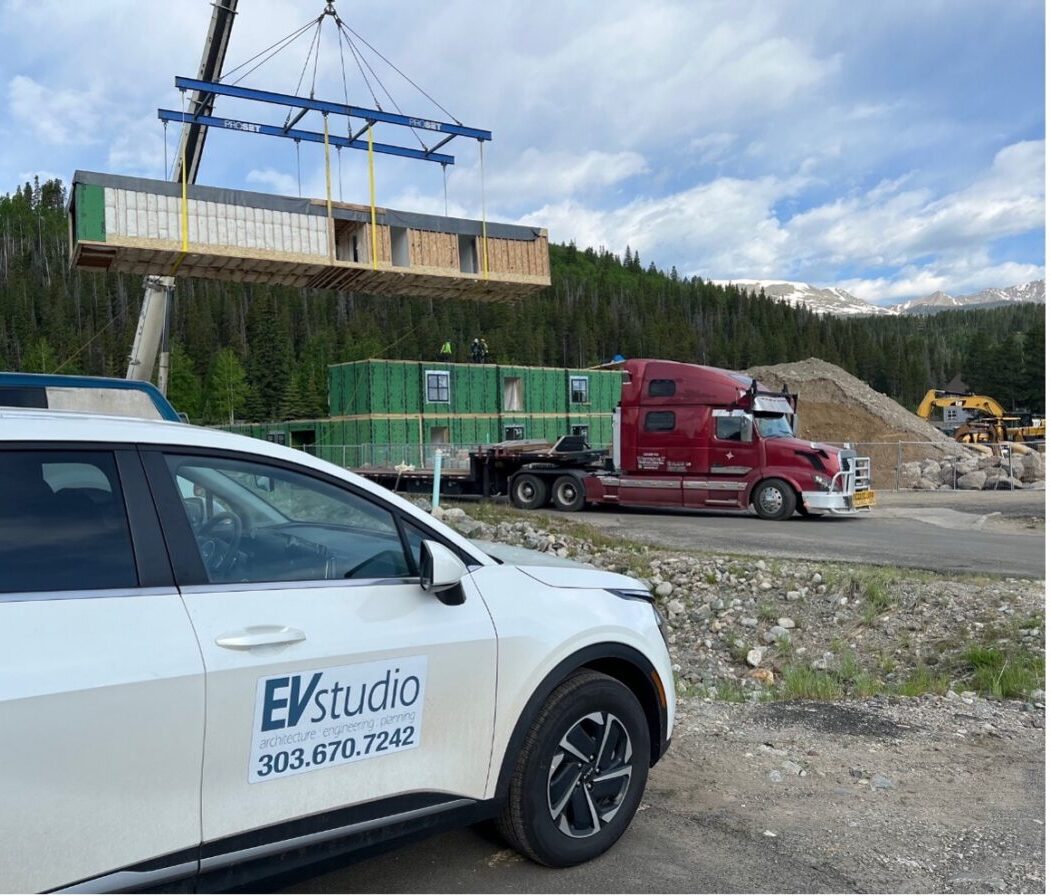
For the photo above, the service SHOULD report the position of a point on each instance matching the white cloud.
(55, 115)
(276, 181)
(727, 229)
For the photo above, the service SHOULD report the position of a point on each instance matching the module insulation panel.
(139, 226)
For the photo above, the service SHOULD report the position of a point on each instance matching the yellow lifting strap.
(184, 211)
(484, 223)
(328, 191)
(372, 194)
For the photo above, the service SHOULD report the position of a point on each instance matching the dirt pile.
(835, 406)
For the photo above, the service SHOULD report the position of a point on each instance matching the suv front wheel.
(580, 774)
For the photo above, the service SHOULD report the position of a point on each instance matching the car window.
(63, 525)
(253, 522)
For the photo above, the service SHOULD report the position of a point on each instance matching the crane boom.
(151, 335)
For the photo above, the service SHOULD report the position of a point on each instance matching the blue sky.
(891, 148)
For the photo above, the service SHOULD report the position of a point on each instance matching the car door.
(333, 679)
(101, 679)
(733, 456)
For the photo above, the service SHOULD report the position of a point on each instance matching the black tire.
(568, 494)
(774, 499)
(528, 492)
(563, 809)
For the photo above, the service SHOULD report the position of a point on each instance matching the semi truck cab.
(691, 436)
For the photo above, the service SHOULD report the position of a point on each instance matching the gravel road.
(993, 532)
(924, 794)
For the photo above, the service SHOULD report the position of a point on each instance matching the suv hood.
(558, 572)
(581, 577)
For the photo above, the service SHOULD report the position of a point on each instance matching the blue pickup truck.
(89, 394)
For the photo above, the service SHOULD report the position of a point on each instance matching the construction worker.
(475, 351)
(484, 351)
(446, 351)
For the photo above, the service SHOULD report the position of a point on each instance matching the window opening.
(437, 386)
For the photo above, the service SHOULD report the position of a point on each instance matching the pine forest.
(259, 352)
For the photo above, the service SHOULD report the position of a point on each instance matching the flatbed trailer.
(492, 468)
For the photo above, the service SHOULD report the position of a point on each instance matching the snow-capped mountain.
(1034, 292)
(832, 300)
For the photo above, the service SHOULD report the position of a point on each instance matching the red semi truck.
(701, 437)
(684, 436)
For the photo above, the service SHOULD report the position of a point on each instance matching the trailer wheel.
(774, 499)
(528, 492)
(568, 494)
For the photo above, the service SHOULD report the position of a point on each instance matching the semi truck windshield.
(773, 426)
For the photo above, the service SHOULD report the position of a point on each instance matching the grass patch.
(995, 673)
(731, 692)
(803, 683)
(924, 681)
(768, 613)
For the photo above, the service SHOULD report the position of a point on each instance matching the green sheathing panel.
(91, 213)
(605, 389)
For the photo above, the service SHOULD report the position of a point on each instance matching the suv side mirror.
(440, 571)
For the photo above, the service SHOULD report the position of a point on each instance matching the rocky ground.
(840, 729)
(752, 629)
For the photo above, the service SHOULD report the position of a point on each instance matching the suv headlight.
(645, 596)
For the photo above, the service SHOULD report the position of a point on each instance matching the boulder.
(973, 480)
(1000, 480)
(910, 473)
(1033, 468)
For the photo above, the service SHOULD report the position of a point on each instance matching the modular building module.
(141, 226)
(386, 412)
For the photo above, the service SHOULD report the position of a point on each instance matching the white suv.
(224, 659)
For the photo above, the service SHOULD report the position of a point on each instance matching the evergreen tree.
(227, 391)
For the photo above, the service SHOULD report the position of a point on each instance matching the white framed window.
(580, 429)
(579, 390)
(437, 386)
(515, 431)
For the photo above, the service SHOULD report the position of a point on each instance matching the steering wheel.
(218, 544)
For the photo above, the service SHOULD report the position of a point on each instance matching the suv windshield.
(773, 426)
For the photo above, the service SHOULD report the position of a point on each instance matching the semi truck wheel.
(528, 492)
(568, 494)
(774, 499)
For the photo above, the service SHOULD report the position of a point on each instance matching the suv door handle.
(260, 636)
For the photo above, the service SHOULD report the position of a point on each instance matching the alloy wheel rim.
(590, 774)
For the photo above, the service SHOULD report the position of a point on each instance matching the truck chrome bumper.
(837, 502)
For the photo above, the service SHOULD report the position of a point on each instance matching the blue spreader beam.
(251, 127)
(300, 102)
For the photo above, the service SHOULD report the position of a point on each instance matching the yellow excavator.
(978, 418)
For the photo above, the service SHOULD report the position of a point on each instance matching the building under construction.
(138, 226)
(385, 413)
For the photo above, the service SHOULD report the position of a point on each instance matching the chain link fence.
(930, 466)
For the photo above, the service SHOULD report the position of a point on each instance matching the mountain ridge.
(842, 303)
